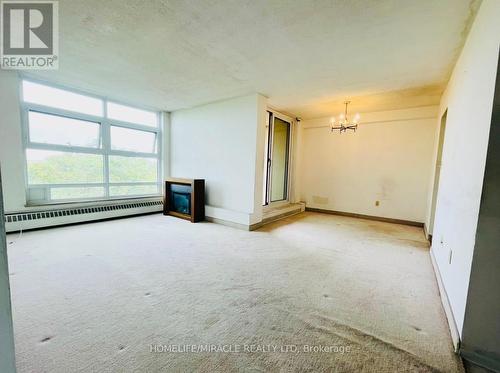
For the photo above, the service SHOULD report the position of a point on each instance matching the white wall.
(221, 142)
(469, 100)
(11, 150)
(389, 159)
(7, 355)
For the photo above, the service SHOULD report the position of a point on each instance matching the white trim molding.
(455, 334)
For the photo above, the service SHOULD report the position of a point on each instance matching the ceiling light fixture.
(343, 123)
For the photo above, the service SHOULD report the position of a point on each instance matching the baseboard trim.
(455, 335)
(227, 223)
(368, 217)
(428, 236)
(298, 210)
(254, 226)
(480, 359)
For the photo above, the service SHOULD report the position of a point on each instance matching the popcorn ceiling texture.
(304, 55)
(95, 297)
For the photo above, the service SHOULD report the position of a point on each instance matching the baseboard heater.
(60, 216)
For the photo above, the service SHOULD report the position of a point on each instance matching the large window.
(83, 147)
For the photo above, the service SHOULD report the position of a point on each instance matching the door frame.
(272, 114)
(437, 172)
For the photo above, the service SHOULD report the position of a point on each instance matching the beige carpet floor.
(128, 295)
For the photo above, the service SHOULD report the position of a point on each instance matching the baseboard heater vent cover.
(47, 214)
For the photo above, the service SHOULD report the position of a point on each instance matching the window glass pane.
(131, 190)
(52, 167)
(53, 129)
(132, 140)
(76, 193)
(61, 99)
(132, 169)
(132, 115)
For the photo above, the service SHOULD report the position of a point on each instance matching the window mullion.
(63, 148)
(138, 127)
(106, 144)
(159, 150)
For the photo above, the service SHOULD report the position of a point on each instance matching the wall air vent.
(48, 217)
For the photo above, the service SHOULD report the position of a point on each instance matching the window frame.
(104, 148)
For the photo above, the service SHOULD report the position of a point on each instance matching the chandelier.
(344, 123)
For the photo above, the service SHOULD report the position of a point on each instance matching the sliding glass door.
(277, 158)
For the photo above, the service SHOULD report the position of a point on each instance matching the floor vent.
(47, 214)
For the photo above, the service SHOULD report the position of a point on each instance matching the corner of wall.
(165, 120)
(427, 222)
(11, 149)
(256, 216)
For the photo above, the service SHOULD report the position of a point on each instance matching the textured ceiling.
(306, 56)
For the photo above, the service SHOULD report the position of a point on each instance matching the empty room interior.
(250, 186)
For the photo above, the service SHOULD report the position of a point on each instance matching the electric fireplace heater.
(185, 198)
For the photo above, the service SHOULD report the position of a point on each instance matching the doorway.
(277, 158)
(437, 172)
